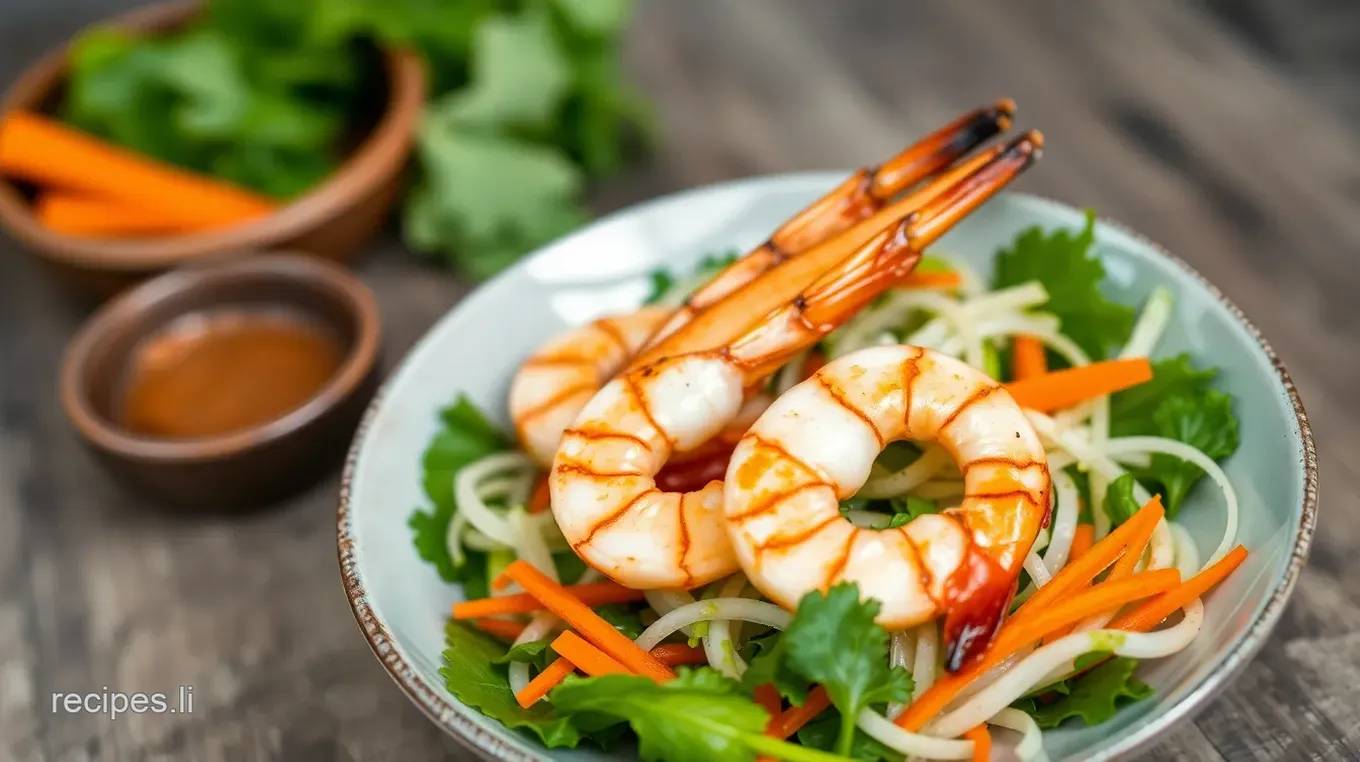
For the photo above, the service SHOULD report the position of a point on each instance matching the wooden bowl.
(247, 468)
(333, 220)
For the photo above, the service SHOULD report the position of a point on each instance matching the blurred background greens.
(527, 105)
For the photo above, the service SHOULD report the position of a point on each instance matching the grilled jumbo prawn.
(557, 381)
(603, 488)
(814, 447)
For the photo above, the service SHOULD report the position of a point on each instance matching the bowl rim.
(382, 152)
(487, 743)
(339, 286)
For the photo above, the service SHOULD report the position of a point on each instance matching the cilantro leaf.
(1206, 423)
(1120, 504)
(699, 715)
(1176, 404)
(821, 734)
(1093, 697)
(769, 666)
(1072, 276)
(519, 74)
(465, 436)
(472, 673)
(1132, 410)
(833, 640)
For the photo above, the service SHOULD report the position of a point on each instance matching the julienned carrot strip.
(1065, 388)
(1079, 572)
(85, 214)
(499, 627)
(795, 717)
(982, 743)
(1027, 358)
(769, 700)
(1017, 635)
(586, 657)
(676, 654)
(1137, 545)
(931, 280)
(1098, 598)
(577, 614)
(1151, 614)
(45, 152)
(1081, 541)
(541, 499)
(590, 594)
(544, 681)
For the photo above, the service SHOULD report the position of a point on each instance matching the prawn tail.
(977, 596)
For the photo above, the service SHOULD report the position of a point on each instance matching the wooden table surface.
(1223, 130)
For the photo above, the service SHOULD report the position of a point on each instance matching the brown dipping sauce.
(216, 374)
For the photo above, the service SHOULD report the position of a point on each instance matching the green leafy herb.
(535, 652)
(473, 673)
(908, 508)
(769, 666)
(834, 641)
(1132, 410)
(1177, 404)
(464, 436)
(1120, 504)
(1094, 697)
(624, 619)
(570, 567)
(1072, 275)
(822, 733)
(699, 715)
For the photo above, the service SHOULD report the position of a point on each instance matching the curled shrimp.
(814, 447)
(604, 493)
(559, 378)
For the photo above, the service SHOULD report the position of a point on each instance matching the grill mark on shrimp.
(684, 541)
(791, 458)
(839, 567)
(927, 579)
(600, 435)
(973, 398)
(911, 370)
(779, 543)
(609, 520)
(839, 397)
(1002, 460)
(615, 335)
(590, 473)
(636, 391)
(1002, 495)
(777, 498)
(557, 361)
(553, 401)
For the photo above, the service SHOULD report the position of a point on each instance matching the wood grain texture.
(1222, 129)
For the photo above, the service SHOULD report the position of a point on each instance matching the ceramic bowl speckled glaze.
(401, 604)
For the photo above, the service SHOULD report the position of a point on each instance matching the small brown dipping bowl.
(334, 219)
(247, 467)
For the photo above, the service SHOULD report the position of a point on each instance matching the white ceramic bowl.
(402, 605)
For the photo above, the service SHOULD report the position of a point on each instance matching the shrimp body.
(562, 375)
(604, 491)
(814, 447)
